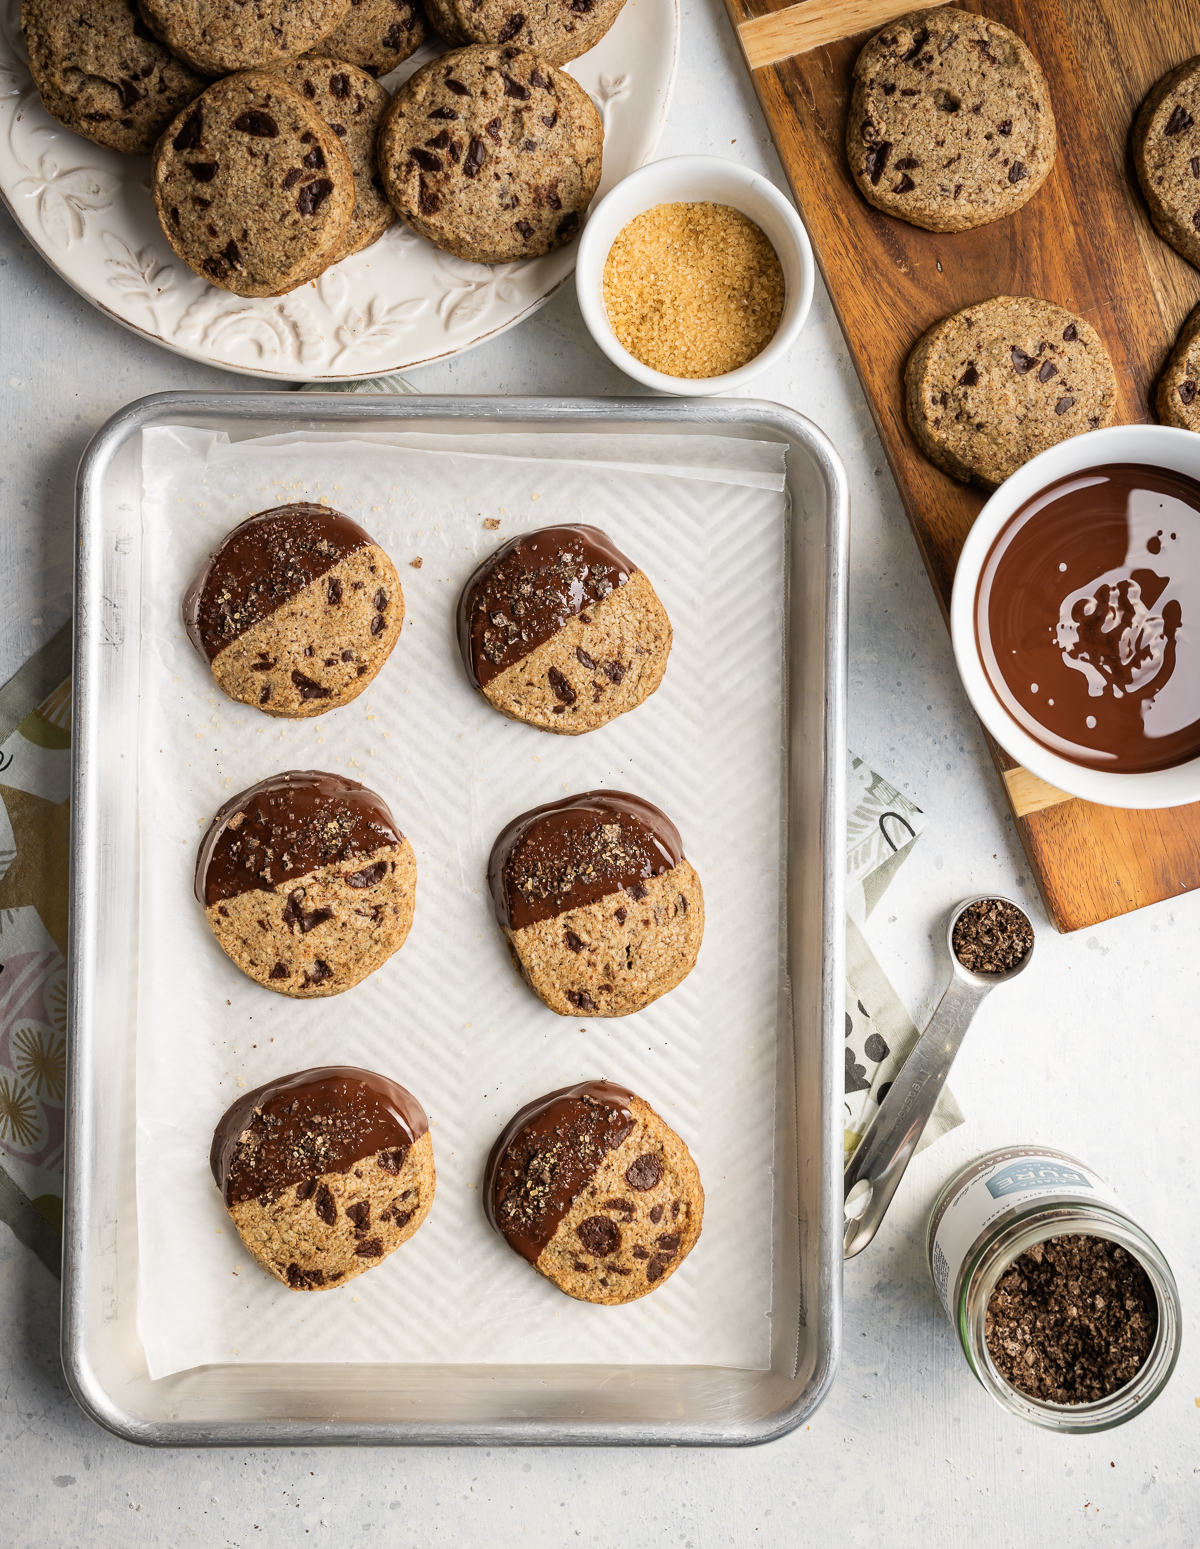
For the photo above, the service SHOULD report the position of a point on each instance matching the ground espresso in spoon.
(1088, 617)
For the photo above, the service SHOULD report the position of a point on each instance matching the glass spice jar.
(998, 1207)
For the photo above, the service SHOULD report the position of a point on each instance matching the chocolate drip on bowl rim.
(546, 1154)
(524, 593)
(262, 564)
(290, 825)
(569, 853)
(314, 1122)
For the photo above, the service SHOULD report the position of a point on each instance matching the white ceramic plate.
(399, 304)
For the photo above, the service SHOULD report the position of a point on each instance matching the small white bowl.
(1158, 446)
(692, 180)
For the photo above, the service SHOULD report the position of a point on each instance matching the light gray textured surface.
(1094, 1051)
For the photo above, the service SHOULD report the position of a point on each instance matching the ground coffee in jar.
(1066, 1310)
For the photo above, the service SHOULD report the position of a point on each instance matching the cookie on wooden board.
(218, 37)
(999, 382)
(325, 1173)
(252, 187)
(307, 883)
(492, 154)
(1166, 154)
(377, 35)
(950, 122)
(1178, 400)
(596, 1191)
(560, 30)
(352, 103)
(296, 611)
(560, 630)
(601, 911)
(112, 80)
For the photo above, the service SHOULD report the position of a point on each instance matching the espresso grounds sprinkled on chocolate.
(1072, 1320)
(991, 937)
(693, 290)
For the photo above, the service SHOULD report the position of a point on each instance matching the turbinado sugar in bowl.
(693, 290)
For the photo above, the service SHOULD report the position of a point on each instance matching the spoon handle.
(892, 1135)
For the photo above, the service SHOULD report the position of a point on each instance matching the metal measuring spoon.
(877, 1166)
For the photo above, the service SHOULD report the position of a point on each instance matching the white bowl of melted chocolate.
(1076, 616)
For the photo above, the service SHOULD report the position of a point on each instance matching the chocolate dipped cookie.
(307, 883)
(560, 630)
(601, 912)
(325, 1173)
(596, 1191)
(296, 611)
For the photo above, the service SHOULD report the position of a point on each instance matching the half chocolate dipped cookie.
(560, 630)
(324, 1172)
(596, 1191)
(601, 911)
(296, 611)
(307, 883)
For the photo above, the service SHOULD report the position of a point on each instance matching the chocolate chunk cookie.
(492, 153)
(377, 35)
(252, 186)
(1166, 153)
(559, 630)
(218, 37)
(950, 121)
(352, 103)
(1178, 399)
(111, 79)
(596, 1191)
(307, 883)
(296, 611)
(324, 1172)
(995, 384)
(600, 909)
(560, 30)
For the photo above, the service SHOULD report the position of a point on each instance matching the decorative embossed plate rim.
(399, 304)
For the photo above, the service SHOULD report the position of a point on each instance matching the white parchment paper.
(704, 516)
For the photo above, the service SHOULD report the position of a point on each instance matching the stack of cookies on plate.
(277, 151)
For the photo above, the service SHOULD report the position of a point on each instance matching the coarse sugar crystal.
(693, 290)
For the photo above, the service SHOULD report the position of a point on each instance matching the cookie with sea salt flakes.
(1166, 154)
(252, 187)
(219, 37)
(601, 911)
(307, 883)
(560, 630)
(111, 80)
(560, 30)
(352, 103)
(492, 154)
(376, 35)
(596, 1191)
(995, 384)
(950, 121)
(325, 1173)
(1178, 400)
(296, 611)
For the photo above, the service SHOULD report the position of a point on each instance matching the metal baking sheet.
(389, 1403)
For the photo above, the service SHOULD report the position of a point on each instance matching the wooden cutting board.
(1084, 240)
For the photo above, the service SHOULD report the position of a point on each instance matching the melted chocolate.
(293, 823)
(528, 589)
(263, 563)
(577, 851)
(1087, 617)
(316, 1121)
(546, 1154)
